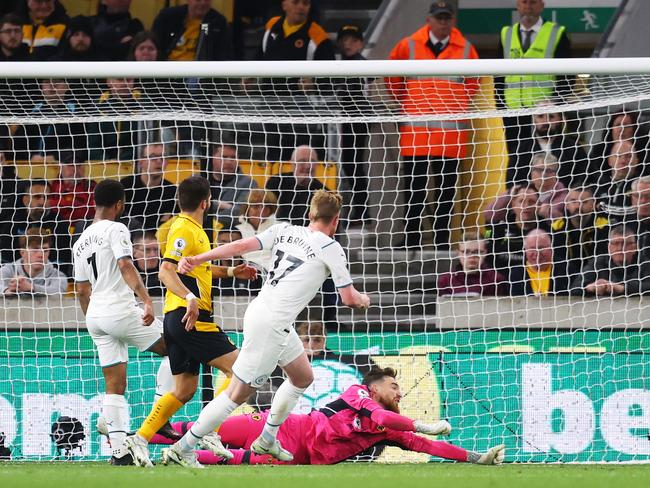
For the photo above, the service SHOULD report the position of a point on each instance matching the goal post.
(439, 170)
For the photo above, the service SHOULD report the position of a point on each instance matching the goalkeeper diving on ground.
(364, 416)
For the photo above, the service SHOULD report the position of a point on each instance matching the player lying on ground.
(303, 258)
(364, 416)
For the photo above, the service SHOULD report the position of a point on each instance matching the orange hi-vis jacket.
(433, 95)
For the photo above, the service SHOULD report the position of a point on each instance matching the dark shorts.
(187, 350)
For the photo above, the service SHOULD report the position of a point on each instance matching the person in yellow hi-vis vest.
(532, 37)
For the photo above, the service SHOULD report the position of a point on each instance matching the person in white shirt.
(107, 282)
(303, 258)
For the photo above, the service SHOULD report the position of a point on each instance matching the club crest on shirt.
(356, 423)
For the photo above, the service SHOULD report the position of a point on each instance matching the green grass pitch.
(433, 475)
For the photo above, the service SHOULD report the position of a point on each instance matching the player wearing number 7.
(303, 258)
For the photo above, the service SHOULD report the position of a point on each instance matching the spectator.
(78, 44)
(33, 273)
(294, 191)
(581, 230)
(508, 219)
(354, 135)
(544, 272)
(46, 142)
(614, 188)
(193, 32)
(8, 187)
(619, 272)
(294, 36)
(71, 195)
(234, 286)
(531, 37)
(435, 150)
(33, 212)
(257, 215)
(144, 47)
(548, 136)
(471, 276)
(114, 28)
(229, 185)
(640, 199)
(44, 26)
(117, 140)
(550, 190)
(150, 198)
(12, 47)
(623, 126)
(146, 257)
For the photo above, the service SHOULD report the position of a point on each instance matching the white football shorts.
(267, 344)
(114, 335)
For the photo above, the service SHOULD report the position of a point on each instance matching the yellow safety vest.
(524, 91)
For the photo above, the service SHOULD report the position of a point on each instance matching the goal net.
(499, 222)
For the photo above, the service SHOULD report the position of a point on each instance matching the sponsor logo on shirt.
(356, 423)
(362, 393)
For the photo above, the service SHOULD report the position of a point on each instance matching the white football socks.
(211, 417)
(285, 400)
(116, 412)
(164, 379)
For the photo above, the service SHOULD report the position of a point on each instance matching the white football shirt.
(95, 257)
(301, 260)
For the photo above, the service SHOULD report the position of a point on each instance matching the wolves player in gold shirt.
(190, 335)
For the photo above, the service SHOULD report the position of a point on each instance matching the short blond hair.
(325, 205)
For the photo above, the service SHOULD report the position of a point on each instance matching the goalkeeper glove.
(441, 427)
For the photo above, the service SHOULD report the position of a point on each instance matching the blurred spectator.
(78, 44)
(71, 195)
(640, 199)
(471, 276)
(193, 32)
(33, 212)
(33, 273)
(548, 136)
(531, 37)
(117, 140)
(257, 215)
(551, 192)
(294, 190)
(581, 230)
(46, 142)
(614, 188)
(12, 47)
(146, 257)
(619, 272)
(229, 185)
(435, 148)
(351, 95)
(144, 47)
(8, 187)
(508, 219)
(150, 198)
(44, 26)
(114, 28)
(544, 271)
(234, 286)
(621, 127)
(294, 36)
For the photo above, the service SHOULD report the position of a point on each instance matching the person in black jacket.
(44, 26)
(12, 47)
(78, 44)
(614, 187)
(193, 32)
(619, 272)
(114, 28)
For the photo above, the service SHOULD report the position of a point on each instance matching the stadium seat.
(179, 169)
(259, 171)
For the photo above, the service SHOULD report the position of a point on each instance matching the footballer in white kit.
(106, 284)
(302, 259)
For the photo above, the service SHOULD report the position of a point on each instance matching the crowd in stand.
(573, 220)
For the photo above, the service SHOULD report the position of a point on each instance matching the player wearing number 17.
(303, 257)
